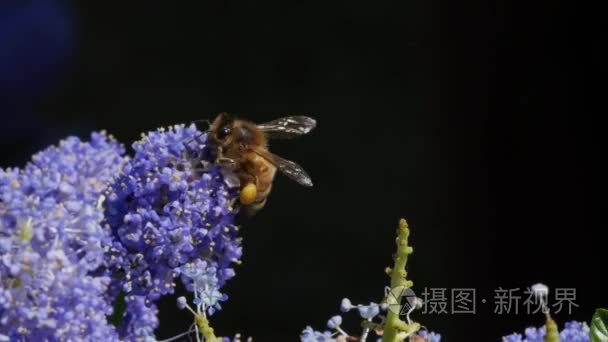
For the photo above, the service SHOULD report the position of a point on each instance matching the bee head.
(225, 130)
(221, 128)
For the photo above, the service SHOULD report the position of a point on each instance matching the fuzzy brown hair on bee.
(242, 147)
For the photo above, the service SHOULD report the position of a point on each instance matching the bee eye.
(224, 132)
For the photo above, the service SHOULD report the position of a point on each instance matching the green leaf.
(599, 326)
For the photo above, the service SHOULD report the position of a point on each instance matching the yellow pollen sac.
(248, 193)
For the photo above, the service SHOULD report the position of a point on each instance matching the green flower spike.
(206, 330)
(541, 291)
(552, 330)
(396, 329)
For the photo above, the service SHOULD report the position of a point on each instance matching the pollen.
(26, 231)
(248, 194)
(15, 184)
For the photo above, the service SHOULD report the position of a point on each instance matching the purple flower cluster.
(84, 229)
(202, 279)
(429, 336)
(171, 213)
(51, 233)
(367, 313)
(140, 319)
(573, 332)
(310, 335)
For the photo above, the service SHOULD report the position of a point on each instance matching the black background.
(463, 117)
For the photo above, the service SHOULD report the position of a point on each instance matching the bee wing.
(288, 127)
(287, 167)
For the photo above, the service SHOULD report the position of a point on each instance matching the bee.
(242, 147)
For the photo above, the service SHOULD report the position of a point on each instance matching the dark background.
(465, 117)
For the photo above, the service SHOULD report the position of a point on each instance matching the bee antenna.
(205, 121)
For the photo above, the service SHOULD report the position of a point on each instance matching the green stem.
(393, 326)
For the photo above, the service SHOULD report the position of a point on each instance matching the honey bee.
(242, 147)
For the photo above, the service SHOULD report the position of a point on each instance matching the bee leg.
(226, 163)
(227, 166)
(249, 199)
(249, 188)
(248, 194)
(252, 209)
